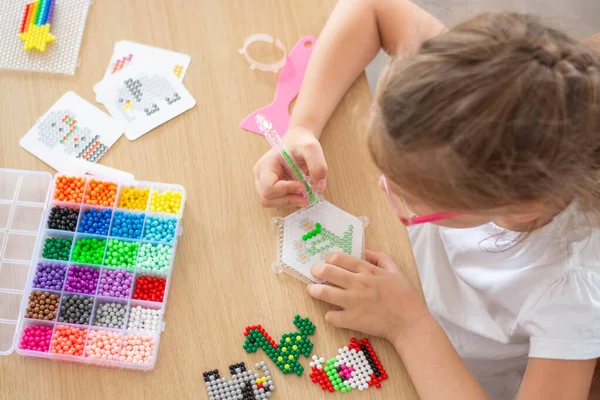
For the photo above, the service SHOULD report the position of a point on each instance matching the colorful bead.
(103, 345)
(155, 257)
(150, 288)
(95, 221)
(127, 225)
(36, 338)
(137, 349)
(121, 253)
(76, 309)
(115, 283)
(355, 367)
(68, 340)
(63, 218)
(89, 251)
(101, 193)
(57, 248)
(110, 315)
(244, 383)
(42, 305)
(49, 276)
(257, 337)
(160, 229)
(69, 188)
(167, 202)
(82, 279)
(134, 198)
(144, 319)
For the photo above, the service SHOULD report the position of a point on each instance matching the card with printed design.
(71, 129)
(143, 98)
(130, 53)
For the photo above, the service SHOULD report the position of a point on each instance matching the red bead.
(149, 288)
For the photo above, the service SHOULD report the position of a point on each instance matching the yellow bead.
(286, 366)
(284, 349)
(290, 358)
(280, 359)
(294, 347)
(298, 338)
(287, 340)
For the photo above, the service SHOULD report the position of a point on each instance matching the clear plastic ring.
(263, 37)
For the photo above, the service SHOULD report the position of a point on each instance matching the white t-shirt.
(500, 305)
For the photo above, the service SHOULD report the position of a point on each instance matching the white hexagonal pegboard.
(304, 237)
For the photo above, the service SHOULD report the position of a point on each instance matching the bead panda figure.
(244, 384)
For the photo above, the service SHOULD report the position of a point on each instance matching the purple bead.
(82, 279)
(49, 276)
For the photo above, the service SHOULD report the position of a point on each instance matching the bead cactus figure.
(291, 345)
(319, 240)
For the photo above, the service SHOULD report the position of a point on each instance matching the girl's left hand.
(372, 296)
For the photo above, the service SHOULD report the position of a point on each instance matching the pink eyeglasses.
(407, 217)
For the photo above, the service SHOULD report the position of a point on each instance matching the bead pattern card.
(306, 236)
(143, 99)
(62, 37)
(130, 53)
(71, 128)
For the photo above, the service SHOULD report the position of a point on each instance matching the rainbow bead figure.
(285, 354)
(35, 26)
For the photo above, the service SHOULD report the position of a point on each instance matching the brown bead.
(42, 305)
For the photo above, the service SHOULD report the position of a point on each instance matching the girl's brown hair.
(499, 110)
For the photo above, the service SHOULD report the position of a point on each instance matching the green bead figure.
(291, 345)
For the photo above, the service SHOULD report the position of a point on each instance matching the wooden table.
(222, 280)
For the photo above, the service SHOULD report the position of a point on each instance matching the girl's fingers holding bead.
(328, 294)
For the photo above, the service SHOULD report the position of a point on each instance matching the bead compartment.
(98, 298)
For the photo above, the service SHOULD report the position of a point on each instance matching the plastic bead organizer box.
(86, 266)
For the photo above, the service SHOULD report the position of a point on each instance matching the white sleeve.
(564, 322)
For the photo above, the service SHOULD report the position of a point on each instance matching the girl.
(488, 139)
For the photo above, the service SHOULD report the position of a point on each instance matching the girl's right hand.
(274, 184)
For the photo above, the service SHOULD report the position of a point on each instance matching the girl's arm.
(438, 372)
(351, 38)
(374, 296)
(353, 35)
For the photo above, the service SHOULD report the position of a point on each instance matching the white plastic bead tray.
(36, 258)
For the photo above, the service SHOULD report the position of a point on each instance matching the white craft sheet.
(61, 55)
(331, 218)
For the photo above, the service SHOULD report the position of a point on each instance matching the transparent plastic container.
(26, 199)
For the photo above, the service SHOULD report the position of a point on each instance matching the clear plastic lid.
(23, 198)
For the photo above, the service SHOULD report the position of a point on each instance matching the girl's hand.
(275, 186)
(372, 296)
